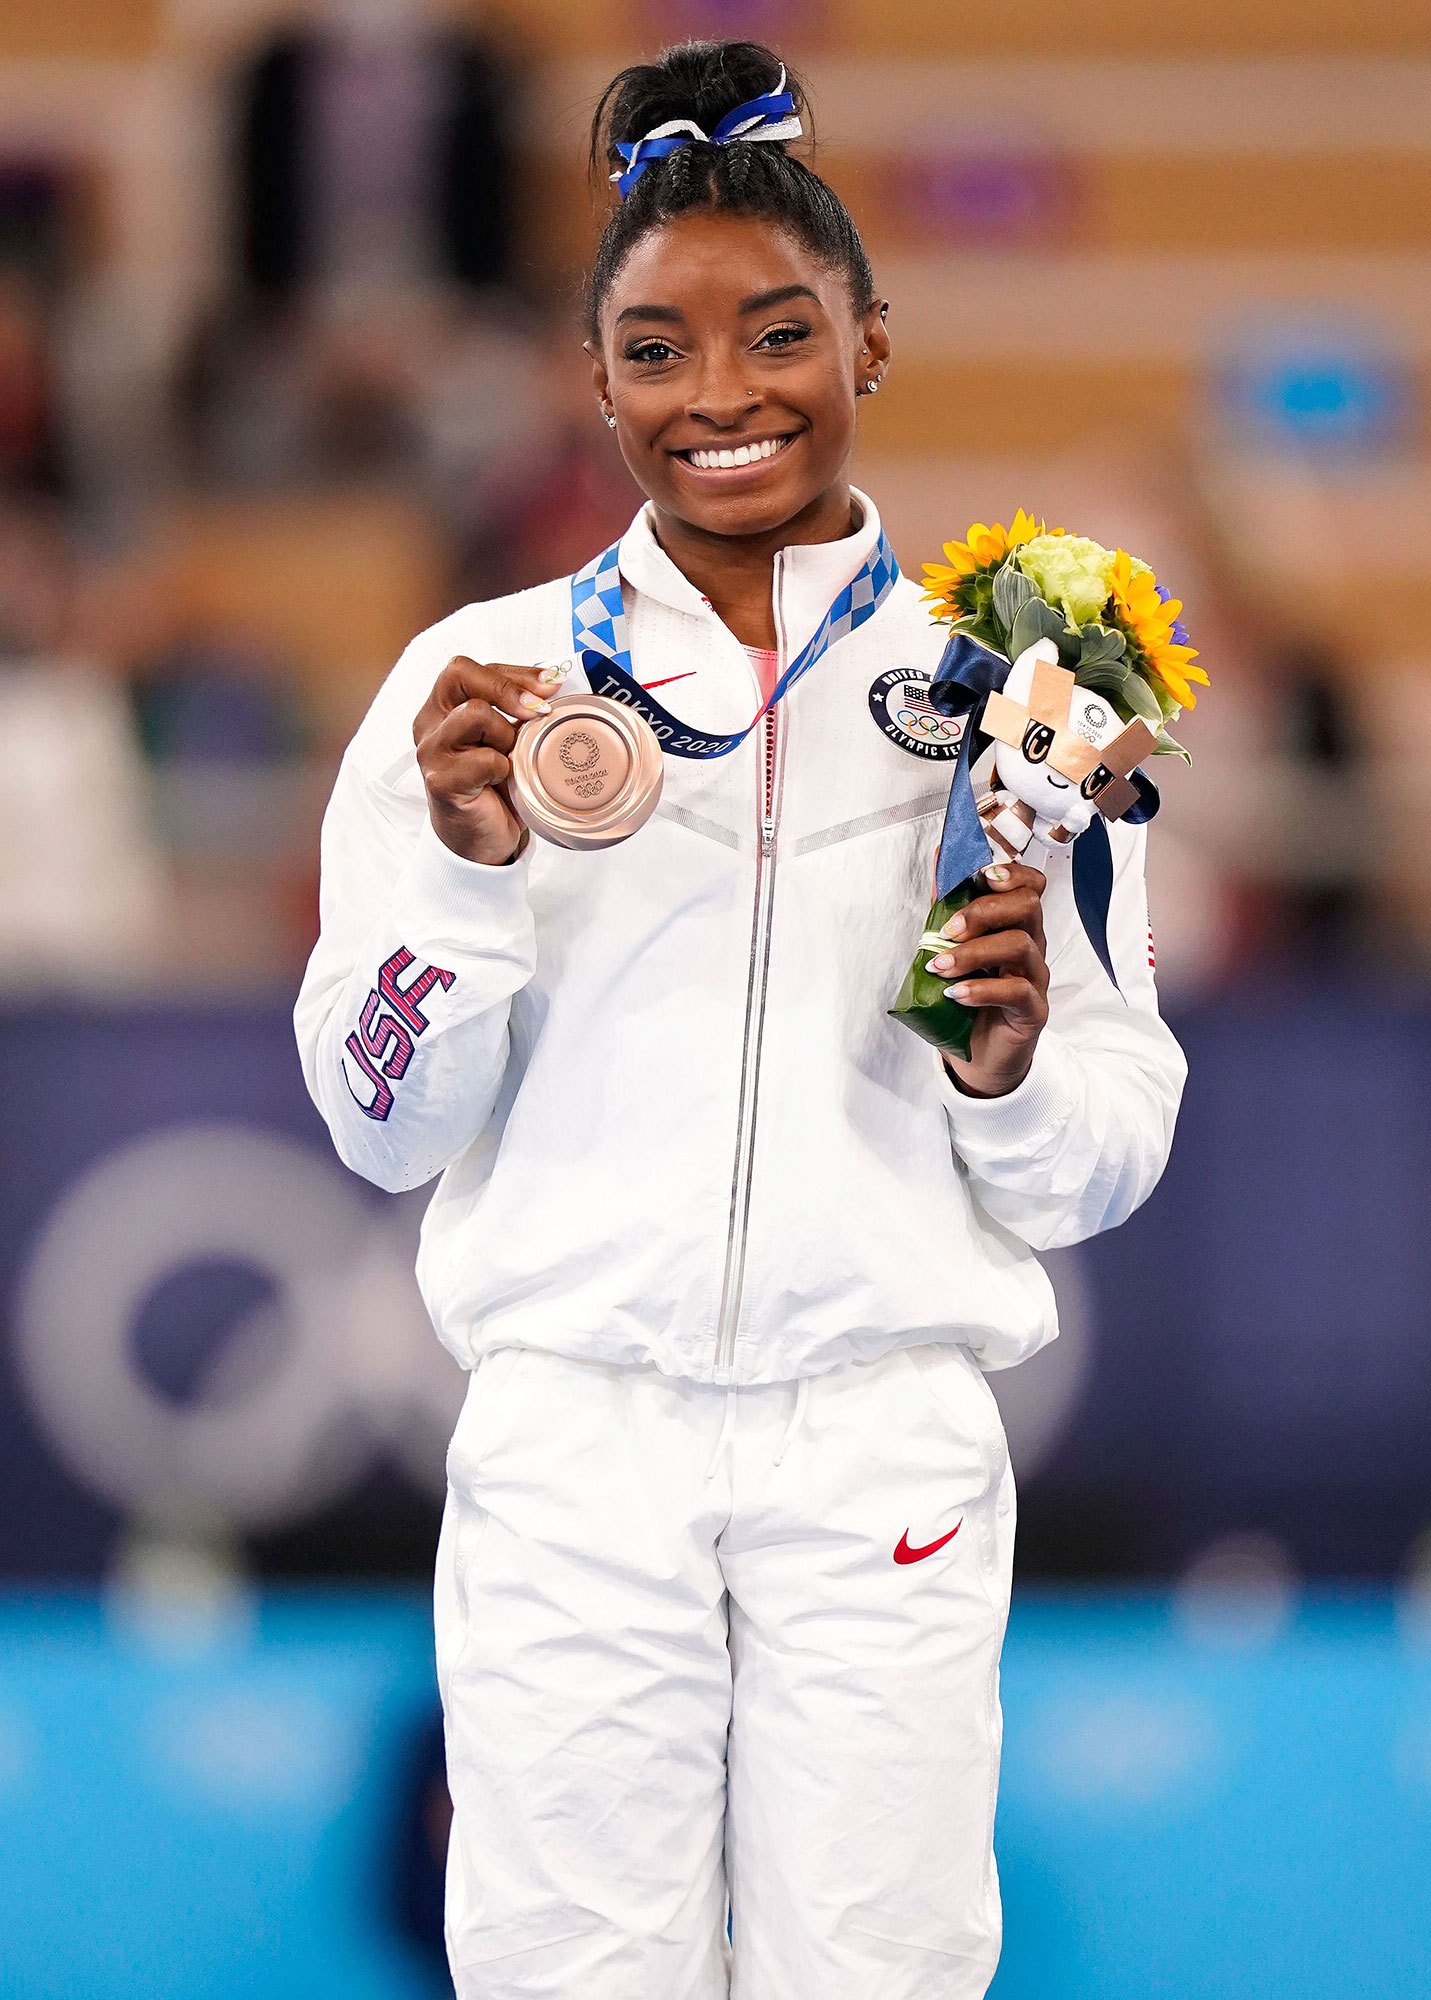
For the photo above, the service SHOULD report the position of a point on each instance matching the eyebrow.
(757, 302)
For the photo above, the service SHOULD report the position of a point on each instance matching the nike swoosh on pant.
(905, 1554)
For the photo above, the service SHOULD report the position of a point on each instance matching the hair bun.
(701, 84)
(701, 81)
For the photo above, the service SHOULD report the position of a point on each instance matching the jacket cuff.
(1024, 1119)
(459, 908)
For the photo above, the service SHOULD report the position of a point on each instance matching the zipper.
(757, 982)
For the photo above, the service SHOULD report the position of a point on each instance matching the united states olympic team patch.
(899, 703)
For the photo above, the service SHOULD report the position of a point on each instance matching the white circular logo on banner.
(339, 1360)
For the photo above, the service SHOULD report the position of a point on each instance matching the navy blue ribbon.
(772, 116)
(966, 675)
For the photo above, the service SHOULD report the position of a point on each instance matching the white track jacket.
(673, 1120)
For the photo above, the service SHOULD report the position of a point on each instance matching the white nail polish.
(533, 704)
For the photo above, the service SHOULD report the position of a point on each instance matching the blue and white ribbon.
(965, 676)
(764, 118)
(598, 632)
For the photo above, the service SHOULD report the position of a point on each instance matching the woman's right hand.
(464, 745)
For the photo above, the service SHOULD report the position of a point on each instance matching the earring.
(610, 416)
(872, 385)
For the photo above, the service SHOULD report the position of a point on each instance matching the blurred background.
(289, 368)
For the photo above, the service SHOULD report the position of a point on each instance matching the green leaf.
(1141, 699)
(1166, 746)
(978, 625)
(1100, 643)
(1168, 702)
(1069, 645)
(1012, 591)
(1037, 620)
(1104, 677)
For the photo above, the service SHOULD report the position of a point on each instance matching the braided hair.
(703, 81)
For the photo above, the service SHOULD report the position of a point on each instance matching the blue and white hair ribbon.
(771, 117)
(598, 631)
(965, 676)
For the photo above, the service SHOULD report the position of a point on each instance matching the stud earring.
(610, 417)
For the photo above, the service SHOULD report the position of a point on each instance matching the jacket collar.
(814, 573)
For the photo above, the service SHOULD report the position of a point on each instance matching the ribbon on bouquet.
(966, 676)
(599, 637)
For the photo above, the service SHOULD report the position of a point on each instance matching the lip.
(733, 474)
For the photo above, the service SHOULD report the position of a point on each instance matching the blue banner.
(203, 1314)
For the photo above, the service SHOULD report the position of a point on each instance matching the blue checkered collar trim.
(815, 572)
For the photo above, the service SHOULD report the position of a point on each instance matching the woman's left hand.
(1000, 932)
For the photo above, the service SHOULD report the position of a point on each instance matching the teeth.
(745, 454)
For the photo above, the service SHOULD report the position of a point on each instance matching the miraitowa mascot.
(1063, 753)
(1064, 764)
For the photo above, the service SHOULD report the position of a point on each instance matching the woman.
(725, 1562)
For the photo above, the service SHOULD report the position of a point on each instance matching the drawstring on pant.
(725, 1424)
(797, 1416)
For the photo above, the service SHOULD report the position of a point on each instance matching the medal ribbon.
(598, 634)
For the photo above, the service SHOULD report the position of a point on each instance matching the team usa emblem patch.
(899, 703)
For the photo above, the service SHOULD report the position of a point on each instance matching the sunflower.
(982, 550)
(1149, 617)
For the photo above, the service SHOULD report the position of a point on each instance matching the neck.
(734, 571)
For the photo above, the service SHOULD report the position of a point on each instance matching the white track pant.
(681, 1660)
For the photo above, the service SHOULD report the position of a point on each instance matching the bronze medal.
(589, 774)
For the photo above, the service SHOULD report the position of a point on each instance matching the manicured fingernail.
(998, 874)
(533, 704)
(964, 990)
(943, 963)
(954, 927)
(552, 676)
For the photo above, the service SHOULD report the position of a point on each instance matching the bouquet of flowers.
(1074, 660)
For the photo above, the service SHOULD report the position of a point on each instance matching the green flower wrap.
(921, 1002)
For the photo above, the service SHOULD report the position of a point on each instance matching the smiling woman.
(731, 357)
(732, 322)
(728, 1541)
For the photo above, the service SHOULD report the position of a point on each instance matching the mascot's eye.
(1098, 778)
(1038, 741)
